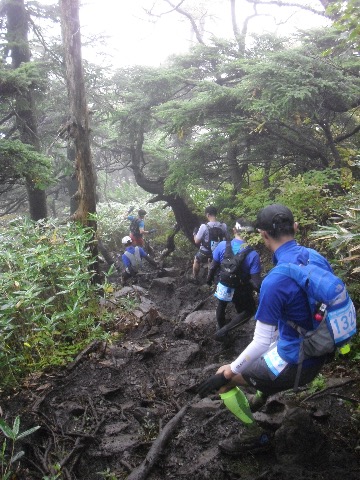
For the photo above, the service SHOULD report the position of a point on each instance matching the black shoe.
(253, 440)
(221, 336)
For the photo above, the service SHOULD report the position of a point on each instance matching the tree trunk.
(78, 124)
(236, 172)
(72, 181)
(185, 218)
(17, 36)
(331, 143)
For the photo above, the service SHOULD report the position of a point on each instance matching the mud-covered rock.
(300, 441)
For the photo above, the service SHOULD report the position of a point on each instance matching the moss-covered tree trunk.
(17, 38)
(78, 123)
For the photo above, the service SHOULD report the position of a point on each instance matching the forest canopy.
(233, 117)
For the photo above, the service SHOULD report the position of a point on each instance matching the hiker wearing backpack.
(208, 236)
(132, 258)
(237, 267)
(277, 359)
(137, 228)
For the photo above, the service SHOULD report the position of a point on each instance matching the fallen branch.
(197, 306)
(89, 349)
(80, 444)
(142, 471)
(344, 397)
(325, 390)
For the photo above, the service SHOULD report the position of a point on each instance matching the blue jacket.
(282, 299)
(131, 249)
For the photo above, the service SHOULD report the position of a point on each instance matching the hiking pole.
(239, 320)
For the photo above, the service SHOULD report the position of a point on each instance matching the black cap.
(142, 212)
(272, 216)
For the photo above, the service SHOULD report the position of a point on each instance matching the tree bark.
(17, 36)
(72, 181)
(78, 124)
(236, 172)
(185, 218)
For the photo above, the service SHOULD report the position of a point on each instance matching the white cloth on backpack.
(134, 258)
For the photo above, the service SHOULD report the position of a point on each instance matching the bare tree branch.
(341, 138)
(191, 19)
(149, 12)
(7, 117)
(289, 4)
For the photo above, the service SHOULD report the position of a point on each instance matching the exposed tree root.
(142, 471)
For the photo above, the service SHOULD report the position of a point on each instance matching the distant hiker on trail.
(239, 269)
(137, 227)
(208, 236)
(132, 258)
(276, 359)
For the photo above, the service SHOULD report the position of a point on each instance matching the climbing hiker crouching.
(271, 362)
(132, 258)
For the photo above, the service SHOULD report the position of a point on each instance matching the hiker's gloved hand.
(152, 230)
(131, 209)
(212, 384)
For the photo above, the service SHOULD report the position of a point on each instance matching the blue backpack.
(334, 316)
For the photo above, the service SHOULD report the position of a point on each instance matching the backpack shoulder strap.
(295, 272)
(241, 255)
(228, 249)
(244, 252)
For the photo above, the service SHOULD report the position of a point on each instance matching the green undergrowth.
(49, 307)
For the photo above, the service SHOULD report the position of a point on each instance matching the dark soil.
(105, 415)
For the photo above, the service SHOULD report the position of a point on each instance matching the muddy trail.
(128, 409)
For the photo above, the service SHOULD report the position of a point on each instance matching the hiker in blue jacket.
(132, 258)
(269, 362)
(247, 280)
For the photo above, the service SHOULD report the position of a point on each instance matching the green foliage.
(340, 236)
(347, 20)
(149, 429)
(108, 474)
(113, 224)
(20, 161)
(28, 76)
(308, 195)
(49, 309)
(8, 459)
(319, 383)
(211, 117)
(293, 81)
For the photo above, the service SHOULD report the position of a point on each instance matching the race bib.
(224, 293)
(343, 322)
(273, 360)
(213, 245)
